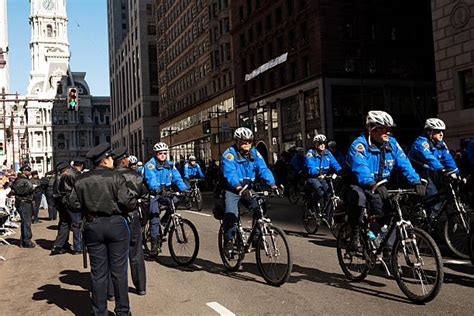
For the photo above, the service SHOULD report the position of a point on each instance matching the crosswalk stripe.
(221, 310)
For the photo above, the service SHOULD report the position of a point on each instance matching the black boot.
(355, 239)
(154, 247)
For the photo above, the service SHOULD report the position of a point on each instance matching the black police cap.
(120, 153)
(99, 152)
(78, 160)
(60, 166)
(25, 168)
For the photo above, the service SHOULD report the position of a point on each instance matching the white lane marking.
(221, 310)
(458, 261)
(198, 213)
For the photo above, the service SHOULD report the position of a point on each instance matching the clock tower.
(49, 77)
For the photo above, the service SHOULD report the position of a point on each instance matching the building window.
(289, 7)
(149, 9)
(466, 83)
(268, 23)
(49, 30)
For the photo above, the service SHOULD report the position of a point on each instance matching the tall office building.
(3, 69)
(196, 83)
(133, 75)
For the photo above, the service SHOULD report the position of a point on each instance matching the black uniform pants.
(68, 221)
(37, 196)
(137, 259)
(25, 209)
(359, 199)
(52, 212)
(107, 240)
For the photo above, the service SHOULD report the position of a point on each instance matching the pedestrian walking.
(105, 200)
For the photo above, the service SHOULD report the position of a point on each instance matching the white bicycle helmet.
(435, 123)
(379, 118)
(160, 147)
(192, 158)
(132, 160)
(243, 133)
(319, 138)
(332, 143)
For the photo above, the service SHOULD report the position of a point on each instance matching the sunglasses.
(245, 142)
(162, 153)
(382, 128)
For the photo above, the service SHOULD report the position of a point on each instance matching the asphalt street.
(34, 283)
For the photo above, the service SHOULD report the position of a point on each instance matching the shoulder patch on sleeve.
(229, 156)
(426, 145)
(150, 166)
(360, 148)
(309, 154)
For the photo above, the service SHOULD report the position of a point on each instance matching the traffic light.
(206, 127)
(72, 99)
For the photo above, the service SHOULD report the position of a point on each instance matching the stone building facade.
(453, 36)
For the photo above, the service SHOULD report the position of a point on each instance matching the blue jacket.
(159, 176)
(297, 162)
(320, 162)
(470, 150)
(339, 157)
(426, 155)
(240, 170)
(365, 162)
(192, 171)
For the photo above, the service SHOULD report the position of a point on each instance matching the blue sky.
(87, 33)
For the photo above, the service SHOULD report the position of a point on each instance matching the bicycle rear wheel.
(354, 264)
(230, 264)
(146, 238)
(471, 246)
(419, 278)
(456, 234)
(293, 195)
(273, 256)
(198, 200)
(311, 221)
(183, 242)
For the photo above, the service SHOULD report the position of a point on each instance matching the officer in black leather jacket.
(137, 187)
(105, 200)
(37, 195)
(68, 220)
(22, 189)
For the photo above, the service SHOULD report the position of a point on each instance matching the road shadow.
(76, 301)
(330, 243)
(302, 234)
(45, 244)
(52, 227)
(13, 241)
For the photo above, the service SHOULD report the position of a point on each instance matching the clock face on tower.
(48, 4)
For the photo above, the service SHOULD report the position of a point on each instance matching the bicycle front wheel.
(471, 246)
(183, 242)
(273, 256)
(198, 200)
(417, 266)
(456, 234)
(293, 195)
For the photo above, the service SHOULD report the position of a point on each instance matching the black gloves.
(245, 194)
(420, 189)
(382, 191)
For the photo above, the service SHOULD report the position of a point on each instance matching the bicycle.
(457, 224)
(471, 246)
(312, 218)
(183, 238)
(272, 245)
(416, 261)
(296, 188)
(196, 196)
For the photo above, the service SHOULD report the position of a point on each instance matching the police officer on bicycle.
(431, 158)
(241, 165)
(319, 161)
(159, 175)
(371, 158)
(192, 170)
